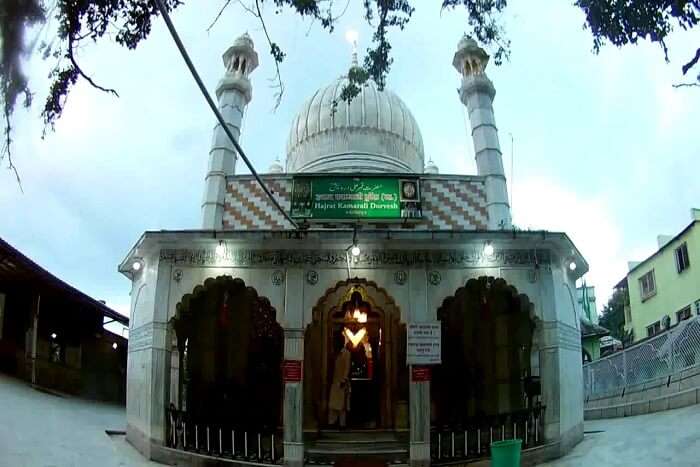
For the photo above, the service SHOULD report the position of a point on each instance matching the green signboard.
(338, 197)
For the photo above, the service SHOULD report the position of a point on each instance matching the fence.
(226, 442)
(473, 440)
(657, 357)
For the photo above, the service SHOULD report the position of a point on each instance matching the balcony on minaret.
(240, 60)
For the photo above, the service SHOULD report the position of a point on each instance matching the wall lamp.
(221, 248)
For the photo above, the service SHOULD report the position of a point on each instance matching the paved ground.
(43, 430)
(666, 439)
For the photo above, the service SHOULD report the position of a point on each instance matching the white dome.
(375, 132)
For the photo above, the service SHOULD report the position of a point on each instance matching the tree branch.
(71, 57)
(277, 56)
(692, 62)
(218, 15)
(6, 150)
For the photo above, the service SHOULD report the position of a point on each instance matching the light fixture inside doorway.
(572, 266)
(488, 248)
(356, 337)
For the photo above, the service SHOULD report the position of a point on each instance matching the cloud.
(544, 203)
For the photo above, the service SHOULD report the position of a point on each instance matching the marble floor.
(43, 430)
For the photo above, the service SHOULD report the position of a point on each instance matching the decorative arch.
(319, 353)
(487, 340)
(230, 350)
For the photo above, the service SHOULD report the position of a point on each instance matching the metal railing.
(223, 441)
(657, 357)
(473, 440)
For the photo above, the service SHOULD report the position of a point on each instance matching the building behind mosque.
(461, 329)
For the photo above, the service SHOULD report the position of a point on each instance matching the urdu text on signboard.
(367, 197)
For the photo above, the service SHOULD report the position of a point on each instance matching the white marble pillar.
(293, 441)
(419, 392)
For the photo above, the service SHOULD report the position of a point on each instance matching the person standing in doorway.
(339, 400)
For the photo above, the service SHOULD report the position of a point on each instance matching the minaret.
(477, 93)
(234, 93)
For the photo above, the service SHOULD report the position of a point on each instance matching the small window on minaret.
(243, 66)
(235, 64)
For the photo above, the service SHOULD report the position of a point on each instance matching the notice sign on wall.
(423, 343)
(420, 374)
(291, 371)
(337, 197)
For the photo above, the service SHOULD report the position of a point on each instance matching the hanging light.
(220, 248)
(114, 346)
(572, 265)
(136, 265)
(354, 249)
(488, 248)
(53, 335)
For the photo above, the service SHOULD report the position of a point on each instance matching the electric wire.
(219, 117)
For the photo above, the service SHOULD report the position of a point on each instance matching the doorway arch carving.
(319, 355)
(487, 344)
(229, 346)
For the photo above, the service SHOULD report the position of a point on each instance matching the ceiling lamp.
(359, 316)
(488, 248)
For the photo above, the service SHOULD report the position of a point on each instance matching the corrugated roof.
(16, 267)
(589, 329)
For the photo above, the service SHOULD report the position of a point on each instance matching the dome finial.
(351, 36)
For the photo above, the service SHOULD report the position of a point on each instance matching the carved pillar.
(419, 392)
(293, 355)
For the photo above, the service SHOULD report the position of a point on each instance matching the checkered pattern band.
(452, 203)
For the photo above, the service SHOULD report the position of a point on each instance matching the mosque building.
(398, 316)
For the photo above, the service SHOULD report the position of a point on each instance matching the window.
(628, 315)
(647, 284)
(683, 314)
(682, 259)
(56, 353)
(697, 307)
(654, 329)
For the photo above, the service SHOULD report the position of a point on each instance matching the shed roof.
(17, 267)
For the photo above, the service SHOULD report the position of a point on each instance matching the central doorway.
(355, 351)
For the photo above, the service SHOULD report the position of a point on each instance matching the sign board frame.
(424, 343)
(328, 198)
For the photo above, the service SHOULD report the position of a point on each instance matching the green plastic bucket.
(506, 453)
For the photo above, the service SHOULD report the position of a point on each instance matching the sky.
(601, 147)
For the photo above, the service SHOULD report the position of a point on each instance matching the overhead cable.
(214, 108)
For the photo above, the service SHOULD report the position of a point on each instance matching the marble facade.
(294, 273)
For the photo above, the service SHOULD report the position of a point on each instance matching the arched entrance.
(485, 377)
(362, 317)
(229, 348)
